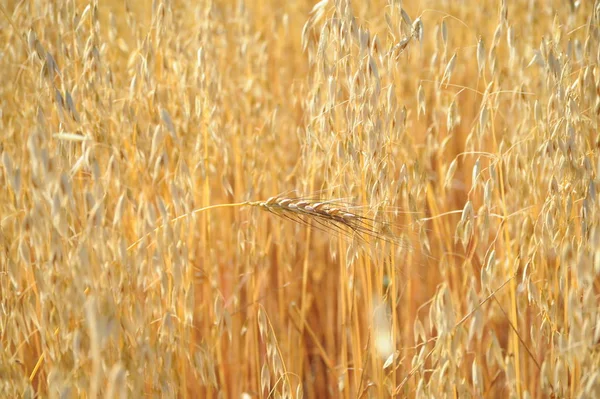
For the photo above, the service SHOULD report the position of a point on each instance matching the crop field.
(299, 199)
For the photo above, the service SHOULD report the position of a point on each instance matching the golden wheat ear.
(324, 215)
(329, 216)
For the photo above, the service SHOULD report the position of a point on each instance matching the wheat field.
(269, 199)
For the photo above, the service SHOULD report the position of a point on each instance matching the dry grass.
(442, 240)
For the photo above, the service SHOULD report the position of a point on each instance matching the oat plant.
(448, 246)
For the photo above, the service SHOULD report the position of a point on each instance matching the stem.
(206, 208)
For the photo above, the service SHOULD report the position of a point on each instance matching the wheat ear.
(326, 214)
